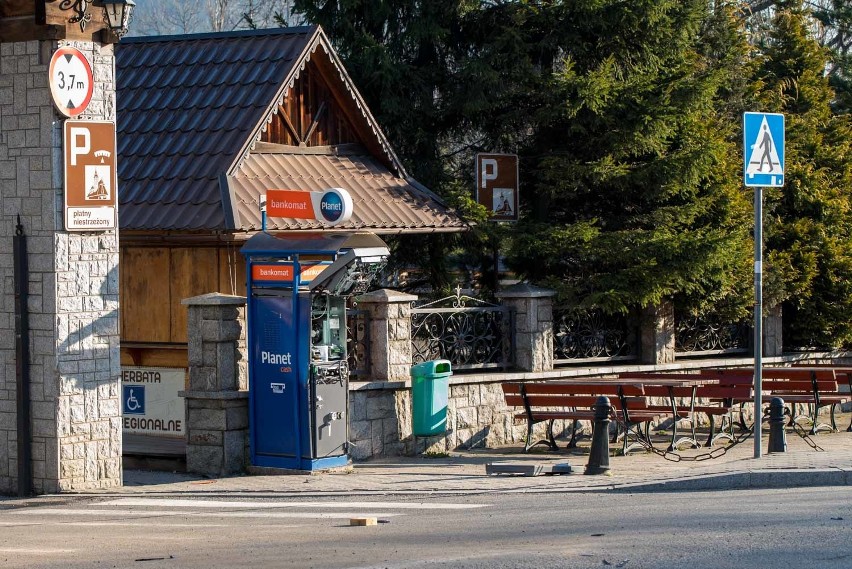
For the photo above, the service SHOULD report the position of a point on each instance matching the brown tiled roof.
(189, 112)
(383, 201)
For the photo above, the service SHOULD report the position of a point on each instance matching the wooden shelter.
(206, 124)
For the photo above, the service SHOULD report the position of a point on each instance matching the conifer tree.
(633, 180)
(809, 233)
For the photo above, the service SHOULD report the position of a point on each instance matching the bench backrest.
(571, 394)
(733, 392)
(798, 373)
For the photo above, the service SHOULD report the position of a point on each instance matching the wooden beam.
(315, 122)
(12, 8)
(24, 28)
(296, 136)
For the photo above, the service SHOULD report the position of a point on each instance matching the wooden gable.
(319, 110)
(310, 115)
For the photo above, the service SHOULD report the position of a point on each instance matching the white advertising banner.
(150, 403)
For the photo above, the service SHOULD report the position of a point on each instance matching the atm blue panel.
(274, 385)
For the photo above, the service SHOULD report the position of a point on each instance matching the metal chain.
(715, 453)
(799, 430)
(675, 457)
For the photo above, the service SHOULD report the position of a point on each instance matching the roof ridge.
(294, 30)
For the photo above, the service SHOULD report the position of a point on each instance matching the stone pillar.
(73, 286)
(390, 333)
(657, 334)
(533, 308)
(217, 399)
(773, 344)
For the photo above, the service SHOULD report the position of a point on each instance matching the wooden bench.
(814, 387)
(844, 377)
(706, 396)
(573, 401)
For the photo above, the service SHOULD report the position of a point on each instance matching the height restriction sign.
(89, 148)
(71, 81)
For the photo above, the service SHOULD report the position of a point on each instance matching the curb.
(754, 479)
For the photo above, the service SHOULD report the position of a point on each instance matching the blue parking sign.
(133, 399)
(763, 149)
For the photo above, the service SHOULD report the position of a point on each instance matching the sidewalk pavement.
(465, 473)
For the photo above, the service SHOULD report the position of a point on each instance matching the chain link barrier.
(673, 456)
(799, 430)
(717, 452)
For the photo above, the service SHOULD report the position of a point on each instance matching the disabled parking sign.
(763, 145)
(133, 397)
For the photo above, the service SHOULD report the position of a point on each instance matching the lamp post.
(118, 14)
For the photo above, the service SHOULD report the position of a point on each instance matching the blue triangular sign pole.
(763, 166)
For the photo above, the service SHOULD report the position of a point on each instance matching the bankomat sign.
(332, 206)
(283, 272)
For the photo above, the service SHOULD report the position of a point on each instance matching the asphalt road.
(759, 528)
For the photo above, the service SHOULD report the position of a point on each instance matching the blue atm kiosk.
(298, 372)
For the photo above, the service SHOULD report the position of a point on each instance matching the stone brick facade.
(217, 399)
(533, 310)
(390, 333)
(73, 287)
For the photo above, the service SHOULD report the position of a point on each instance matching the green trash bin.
(430, 383)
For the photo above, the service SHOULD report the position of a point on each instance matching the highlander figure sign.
(497, 185)
(89, 148)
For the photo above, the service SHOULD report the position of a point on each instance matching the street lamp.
(118, 14)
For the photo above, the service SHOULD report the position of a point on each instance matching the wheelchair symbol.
(134, 400)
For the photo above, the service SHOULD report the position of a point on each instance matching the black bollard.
(777, 436)
(599, 453)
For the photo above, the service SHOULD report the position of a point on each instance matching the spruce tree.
(632, 181)
(809, 233)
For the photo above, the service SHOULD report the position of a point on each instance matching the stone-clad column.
(533, 307)
(73, 286)
(217, 399)
(773, 344)
(390, 333)
(657, 334)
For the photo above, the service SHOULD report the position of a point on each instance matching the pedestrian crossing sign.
(763, 145)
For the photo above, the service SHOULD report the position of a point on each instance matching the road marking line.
(166, 502)
(189, 513)
(36, 551)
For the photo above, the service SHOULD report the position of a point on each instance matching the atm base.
(276, 465)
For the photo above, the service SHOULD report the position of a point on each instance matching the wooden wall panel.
(154, 280)
(144, 295)
(155, 357)
(232, 271)
(194, 271)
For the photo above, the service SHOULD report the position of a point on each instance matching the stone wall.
(73, 287)
(217, 399)
(477, 417)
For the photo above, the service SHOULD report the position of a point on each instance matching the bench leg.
(551, 440)
(528, 444)
(573, 442)
(712, 430)
(743, 425)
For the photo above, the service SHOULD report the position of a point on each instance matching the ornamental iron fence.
(710, 335)
(469, 332)
(583, 335)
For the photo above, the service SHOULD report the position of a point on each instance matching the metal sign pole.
(763, 147)
(758, 315)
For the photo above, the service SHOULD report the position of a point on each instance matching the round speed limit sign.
(71, 82)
